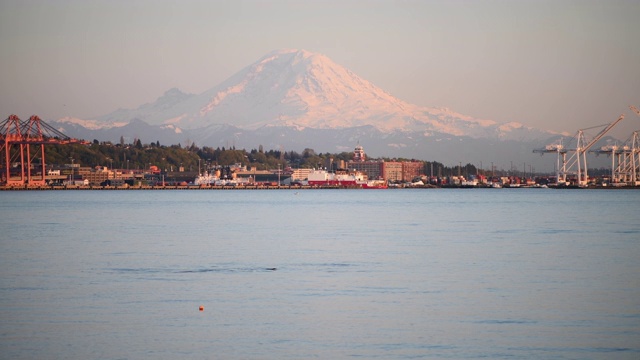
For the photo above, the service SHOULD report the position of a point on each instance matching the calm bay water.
(328, 274)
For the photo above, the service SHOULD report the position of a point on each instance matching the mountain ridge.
(305, 90)
(295, 99)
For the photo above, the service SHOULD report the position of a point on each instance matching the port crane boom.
(578, 156)
(602, 133)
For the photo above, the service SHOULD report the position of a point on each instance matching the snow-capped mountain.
(295, 99)
(307, 90)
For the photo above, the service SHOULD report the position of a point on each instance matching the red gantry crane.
(17, 140)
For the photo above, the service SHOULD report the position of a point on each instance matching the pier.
(272, 187)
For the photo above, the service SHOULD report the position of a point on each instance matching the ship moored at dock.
(343, 178)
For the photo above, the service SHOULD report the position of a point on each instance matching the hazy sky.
(557, 65)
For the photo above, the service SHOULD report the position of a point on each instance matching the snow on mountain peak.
(291, 87)
(89, 124)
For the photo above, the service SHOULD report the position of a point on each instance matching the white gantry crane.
(626, 173)
(576, 163)
(628, 170)
(561, 165)
(627, 158)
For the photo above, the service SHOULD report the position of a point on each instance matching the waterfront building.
(98, 175)
(412, 169)
(252, 176)
(392, 171)
(358, 154)
(300, 174)
(387, 170)
(373, 169)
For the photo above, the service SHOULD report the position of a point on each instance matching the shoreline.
(271, 187)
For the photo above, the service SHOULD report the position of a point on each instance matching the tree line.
(137, 156)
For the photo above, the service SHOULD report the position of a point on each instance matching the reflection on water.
(482, 273)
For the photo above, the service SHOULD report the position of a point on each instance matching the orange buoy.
(201, 308)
